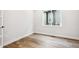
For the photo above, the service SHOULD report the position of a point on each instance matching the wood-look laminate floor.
(41, 41)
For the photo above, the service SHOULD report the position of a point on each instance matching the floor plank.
(42, 41)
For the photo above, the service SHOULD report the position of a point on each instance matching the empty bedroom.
(39, 28)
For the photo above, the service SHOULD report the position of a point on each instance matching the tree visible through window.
(52, 17)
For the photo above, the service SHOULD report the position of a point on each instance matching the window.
(52, 17)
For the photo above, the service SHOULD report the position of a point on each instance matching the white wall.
(0, 29)
(18, 23)
(70, 24)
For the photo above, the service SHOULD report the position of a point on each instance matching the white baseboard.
(17, 39)
(64, 36)
(71, 37)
